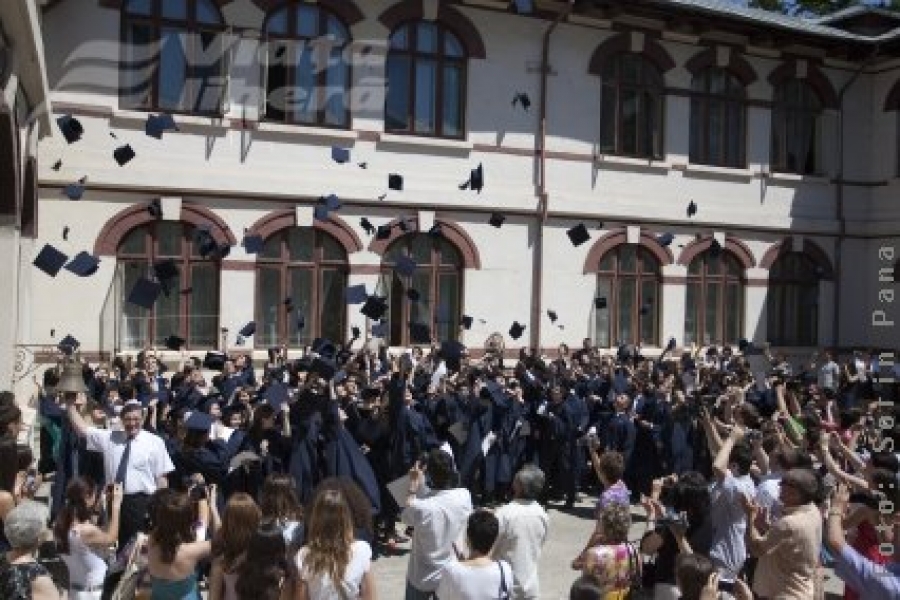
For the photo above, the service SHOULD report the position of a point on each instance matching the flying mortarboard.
(144, 293)
(671, 345)
(199, 421)
(467, 322)
(332, 202)
(155, 209)
(691, 209)
(74, 191)
(70, 127)
(214, 361)
(356, 294)
(324, 347)
(383, 232)
(715, 248)
(553, 316)
(436, 230)
(123, 154)
(405, 266)
(57, 165)
(395, 182)
(50, 260)
(156, 125)
(84, 264)
(367, 226)
(497, 220)
(451, 349)
(253, 244)
(173, 342)
(578, 234)
(666, 239)
(475, 181)
(600, 303)
(355, 332)
(419, 333)
(645, 309)
(516, 331)
(65, 234)
(380, 329)
(320, 212)
(340, 155)
(165, 270)
(68, 345)
(249, 329)
(523, 99)
(374, 308)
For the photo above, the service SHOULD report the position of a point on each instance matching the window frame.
(292, 37)
(722, 281)
(441, 60)
(437, 268)
(804, 278)
(286, 265)
(784, 112)
(702, 121)
(617, 86)
(615, 275)
(185, 260)
(190, 27)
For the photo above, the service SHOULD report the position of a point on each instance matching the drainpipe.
(537, 274)
(842, 222)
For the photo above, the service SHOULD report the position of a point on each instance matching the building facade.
(783, 133)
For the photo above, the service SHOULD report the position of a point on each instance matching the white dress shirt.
(147, 460)
(523, 531)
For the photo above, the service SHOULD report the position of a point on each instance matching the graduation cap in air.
(395, 182)
(57, 165)
(156, 125)
(666, 239)
(340, 155)
(123, 154)
(166, 271)
(324, 347)
(692, 209)
(65, 233)
(413, 295)
(436, 230)
(320, 212)
(68, 345)
(206, 243)
(198, 421)
(50, 260)
(497, 220)
(600, 303)
(645, 309)
(467, 322)
(419, 333)
(523, 99)
(476, 180)
(383, 232)
(84, 264)
(403, 225)
(452, 350)
(173, 342)
(405, 266)
(356, 294)
(671, 345)
(331, 202)
(374, 308)
(253, 244)
(214, 361)
(578, 235)
(248, 330)
(380, 330)
(516, 331)
(715, 248)
(74, 191)
(355, 332)
(367, 226)
(144, 293)
(70, 127)
(553, 316)
(524, 7)
(155, 209)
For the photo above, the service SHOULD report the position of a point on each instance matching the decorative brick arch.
(737, 65)
(335, 226)
(119, 226)
(458, 23)
(617, 237)
(621, 43)
(738, 248)
(345, 10)
(814, 77)
(810, 249)
(452, 232)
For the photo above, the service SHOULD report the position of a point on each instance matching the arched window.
(190, 309)
(793, 302)
(628, 277)
(796, 117)
(426, 78)
(173, 56)
(438, 281)
(631, 108)
(308, 267)
(307, 75)
(718, 119)
(715, 299)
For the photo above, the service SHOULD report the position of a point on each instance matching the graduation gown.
(344, 458)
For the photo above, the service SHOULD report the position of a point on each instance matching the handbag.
(636, 588)
(504, 591)
(130, 582)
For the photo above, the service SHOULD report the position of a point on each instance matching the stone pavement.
(569, 531)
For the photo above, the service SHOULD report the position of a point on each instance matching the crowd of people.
(287, 481)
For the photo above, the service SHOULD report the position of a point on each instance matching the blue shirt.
(871, 581)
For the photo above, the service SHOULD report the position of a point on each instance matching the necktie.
(122, 471)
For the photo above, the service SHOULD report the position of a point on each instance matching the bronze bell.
(70, 380)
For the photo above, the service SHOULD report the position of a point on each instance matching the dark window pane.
(336, 108)
(627, 259)
(625, 309)
(135, 325)
(400, 38)
(420, 312)
(204, 318)
(452, 47)
(135, 242)
(307, 21)
(207, 13)
(426, 96)
(138, 65)
(629, 120)
(270, 298)
(331, 248)
(649, 322)
(169, 237)
(450, 255)
(448, 300)
(272, 247)
(278, 22)
(692, 300)
(733, 305)
(139, 7)
(172, 69)
(452, 94)
(607, 262)
(301, 291)
(337, 32)
(208, 78)
(420, 249)
(602, 332)
(608, 119)
(174, 9)
(397, 113)
(301, 244)
(426, 38)
(278, 94)
(711, 308)
(332, 304)
(305, 100)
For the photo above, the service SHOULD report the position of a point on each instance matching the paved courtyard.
(569, 531)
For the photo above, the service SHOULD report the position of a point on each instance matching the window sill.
(133, 117)
(614, 160)
(414, 141)
(305, 131)
(796, 178)
(729, 172)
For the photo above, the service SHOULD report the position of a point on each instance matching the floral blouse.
(15, 579)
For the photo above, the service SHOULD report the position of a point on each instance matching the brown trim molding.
(458, 23)
(737, 64)
(621, 43)
(335, 226)
(810, 249)
(346, 11)
(238, 265)
(759, 283)
(617, 237)
(738, 248)
(814, 77)
(674, 280)
(365, 269)
(117, 228)
(452, 232)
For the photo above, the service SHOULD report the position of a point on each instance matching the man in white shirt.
(829, 374)
(133, 457)
(438, 518)
(523, 530)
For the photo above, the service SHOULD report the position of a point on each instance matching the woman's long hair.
(278, 500)
(239, 522)
(8, 463)
(329, 536)
(359, 503)
(79, 493)
(173, 522)
(257, 432)
(261, 574)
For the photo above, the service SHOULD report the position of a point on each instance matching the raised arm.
(78, 423)
(720, 464)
